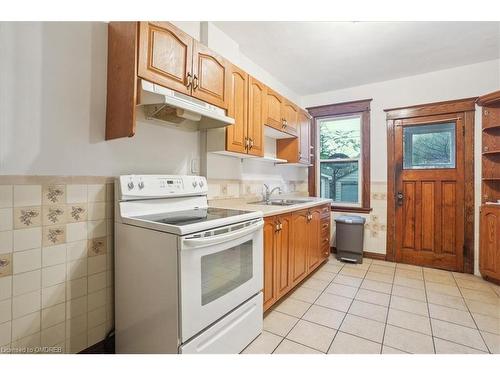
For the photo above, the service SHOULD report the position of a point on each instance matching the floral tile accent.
(5, 265)
(27, 217)
(54, 235)
(97, 246)
(76, 213)
(54, 215)
(54, 194)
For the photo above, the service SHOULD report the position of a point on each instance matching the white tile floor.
(383, 307)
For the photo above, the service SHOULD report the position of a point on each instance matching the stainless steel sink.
(279, 202)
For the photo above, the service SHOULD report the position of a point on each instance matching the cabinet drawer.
(325, 211)
(491, 117)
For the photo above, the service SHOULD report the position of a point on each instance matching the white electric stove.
(188, 277)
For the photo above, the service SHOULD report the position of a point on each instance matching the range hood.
(168, 106)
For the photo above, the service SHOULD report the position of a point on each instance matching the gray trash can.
(349, 236)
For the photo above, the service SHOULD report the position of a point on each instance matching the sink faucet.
(268, 192)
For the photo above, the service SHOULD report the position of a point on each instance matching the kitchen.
(237, 147)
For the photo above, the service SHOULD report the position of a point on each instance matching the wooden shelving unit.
(489, 249)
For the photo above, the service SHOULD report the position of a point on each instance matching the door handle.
(189, 80)
(195, 82)
(399, 198)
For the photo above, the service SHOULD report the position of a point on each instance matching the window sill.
(361, 210)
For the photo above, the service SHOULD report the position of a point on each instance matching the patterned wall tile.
(54, 235)
(53, 215)
(97, 246)
(54, 194)
(5, 265)
(76, 213)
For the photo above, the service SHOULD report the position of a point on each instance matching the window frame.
(359, 108)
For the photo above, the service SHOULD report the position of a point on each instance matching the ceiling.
(313, 57)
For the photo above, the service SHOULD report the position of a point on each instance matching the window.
(341, 137)
(340, 158)
(429, 146)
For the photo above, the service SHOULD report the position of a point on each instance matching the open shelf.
(491, 128)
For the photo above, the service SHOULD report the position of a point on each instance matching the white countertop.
(268, 210)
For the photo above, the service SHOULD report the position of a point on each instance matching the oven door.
(220, 269)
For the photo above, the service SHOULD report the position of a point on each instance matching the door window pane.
(429, 146)
(339, 181)
(224, 271)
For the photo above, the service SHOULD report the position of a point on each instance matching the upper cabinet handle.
(189, 80)
(251, 143)
(195, 82)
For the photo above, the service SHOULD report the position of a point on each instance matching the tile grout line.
(388, 310)
(429, 311)
(474, 320)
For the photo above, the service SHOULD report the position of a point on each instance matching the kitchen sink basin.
(279, 202)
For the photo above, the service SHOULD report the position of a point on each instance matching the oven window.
(224, 271)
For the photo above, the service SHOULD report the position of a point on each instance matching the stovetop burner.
(196, 215)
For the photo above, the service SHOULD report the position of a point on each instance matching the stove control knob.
(201, 183)
(195, 183)
(130, 185)
(141, 184)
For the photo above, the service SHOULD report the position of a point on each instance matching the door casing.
(465, 109)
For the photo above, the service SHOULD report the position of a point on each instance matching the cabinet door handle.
(195, 82)
(247, 143)
(250, 143)
(189, 80)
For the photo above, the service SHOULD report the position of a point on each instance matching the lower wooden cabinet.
(489, 251)
(293, 248)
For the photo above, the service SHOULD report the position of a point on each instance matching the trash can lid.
(350, 219)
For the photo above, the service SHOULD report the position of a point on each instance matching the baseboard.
(366, 254)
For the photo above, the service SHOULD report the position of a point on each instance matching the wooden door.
(274, 103)
(165, 56)
(211, 74)
(429, 181)
(283, 249)
(236, 134)
(257, 93)
(314, 256)
(270, 228)
(300, 238)
(304, 138)
(290, 113)
(489, 253)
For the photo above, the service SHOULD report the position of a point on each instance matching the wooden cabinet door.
(236, 134)
(304, 138)
(269, 262)
(257, 114)
(300, 238)
(211, 74)
(274, 103)
(290, 113)
(283, 250)
(165, 55)
(314, 256)
(489, 253)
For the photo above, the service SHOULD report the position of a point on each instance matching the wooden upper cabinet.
(274, 114)
(290, 114)
(165, 55)
(257, 114)
(211, 76)
(304, 138)
(236, 135)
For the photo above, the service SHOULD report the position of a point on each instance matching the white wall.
(462, 82)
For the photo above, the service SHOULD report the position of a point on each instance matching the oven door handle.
(202, 242)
